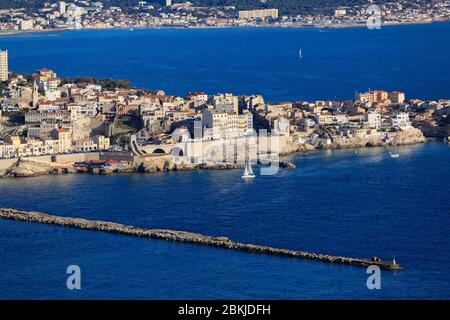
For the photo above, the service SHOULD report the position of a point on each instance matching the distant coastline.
(29, 33)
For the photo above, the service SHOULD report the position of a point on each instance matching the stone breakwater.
(185, 237)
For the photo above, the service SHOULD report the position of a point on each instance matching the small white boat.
(248, 172)
(394, 155)
(300, 54)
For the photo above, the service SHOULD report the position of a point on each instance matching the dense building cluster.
(43, 114)
(96, 15)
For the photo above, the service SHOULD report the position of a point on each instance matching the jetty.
(186, 237)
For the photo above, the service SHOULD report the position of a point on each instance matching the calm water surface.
(335, 202)
(336, 63)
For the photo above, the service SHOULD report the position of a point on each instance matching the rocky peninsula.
(186, 237)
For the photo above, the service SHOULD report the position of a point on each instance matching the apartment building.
(372, 120)
(226, 102)
(64, 136)
(400, 120)
(374, 96)
(3, 65)
(261, 14)
(223, 124)
(397, 97)
(326, 119)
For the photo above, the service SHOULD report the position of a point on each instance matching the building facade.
(226, 124)
(3, 65)
(262, 14)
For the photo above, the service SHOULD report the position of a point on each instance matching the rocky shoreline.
(24, 168)
(27, 167)
(185, 237)
(402, 138)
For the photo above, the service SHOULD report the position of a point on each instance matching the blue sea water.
(335, 202)
(336, 63)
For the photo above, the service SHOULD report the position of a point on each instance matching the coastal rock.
(287, 165)
(155, 164)
(167, 163)
(28, 168)
(292, 147)
(220, 166)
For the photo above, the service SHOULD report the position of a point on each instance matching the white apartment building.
(6, 150)
(62, 7)
(3, 65)
(340, 12)
(26, 25)
(400, 120)
(254, 14)
(372, 120)
(52, 95)
(86, 109)
(225, 125)
(325, 119)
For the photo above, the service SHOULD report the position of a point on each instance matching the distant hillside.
(285, 6)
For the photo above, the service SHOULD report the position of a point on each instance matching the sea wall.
(76, 157)
(187, 237)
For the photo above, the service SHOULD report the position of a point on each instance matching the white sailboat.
(300, 54)
(248, 171)
(394, 155)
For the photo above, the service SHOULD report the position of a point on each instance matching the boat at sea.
(248, 171)
(394, 155)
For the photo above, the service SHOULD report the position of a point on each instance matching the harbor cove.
(143, 158)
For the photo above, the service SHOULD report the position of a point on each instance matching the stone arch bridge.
(205, 151)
